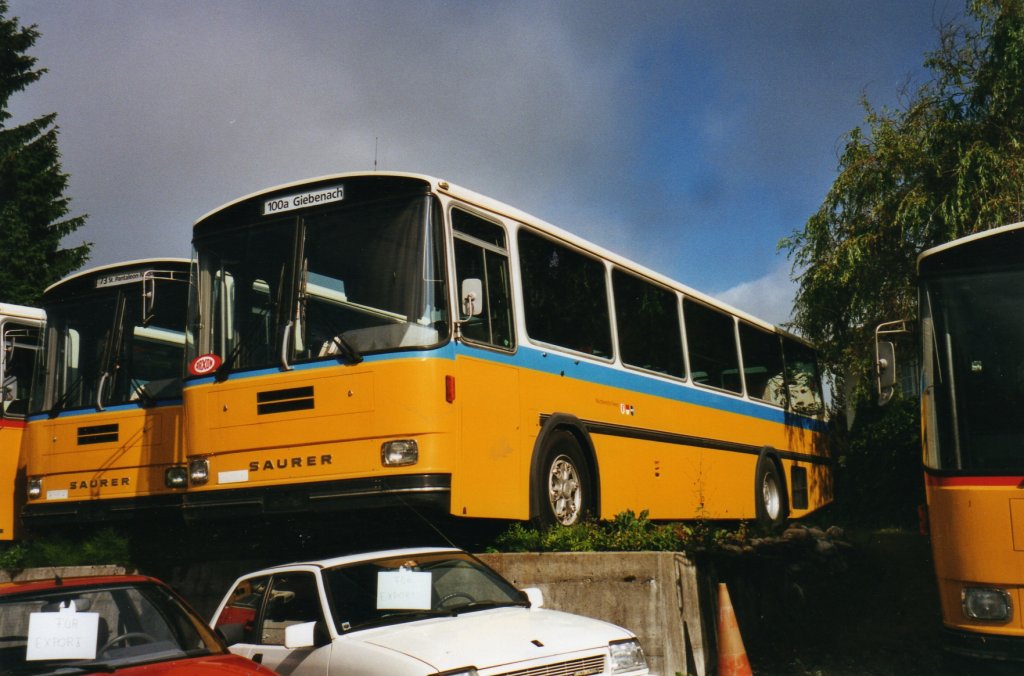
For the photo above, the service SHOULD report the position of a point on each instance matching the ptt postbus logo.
(204, 364)
(627, 409)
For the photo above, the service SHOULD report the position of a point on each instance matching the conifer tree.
(33, 208)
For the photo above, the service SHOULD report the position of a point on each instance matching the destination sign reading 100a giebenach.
(305, 199)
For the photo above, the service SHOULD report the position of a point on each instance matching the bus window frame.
(612, 358)
(514, 291)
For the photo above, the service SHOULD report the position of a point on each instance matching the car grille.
(581, 667)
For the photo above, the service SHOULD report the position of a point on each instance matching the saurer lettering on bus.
(99, 483)
(285, 463)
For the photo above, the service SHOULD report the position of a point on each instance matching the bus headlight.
(35, 488)
(399, 453)
(199, 471)
(626, 656)
(986, 603)
(176, 477)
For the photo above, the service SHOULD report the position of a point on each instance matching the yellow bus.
(19, 336)
(971, 331)
(392, 338)
(104, 437)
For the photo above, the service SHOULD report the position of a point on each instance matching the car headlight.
(35, 488)
(986, 603)
(199, 471)
(626, 656)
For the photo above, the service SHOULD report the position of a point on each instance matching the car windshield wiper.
(401, 616)
(486, 605)
(63, 668)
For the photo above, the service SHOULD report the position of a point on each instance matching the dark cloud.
(690, 136)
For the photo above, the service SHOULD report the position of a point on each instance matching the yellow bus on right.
(971, 334)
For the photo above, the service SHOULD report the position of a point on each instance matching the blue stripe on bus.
(107, 409)
(546, 361)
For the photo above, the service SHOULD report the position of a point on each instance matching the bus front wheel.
(770, 495)
(566, 488)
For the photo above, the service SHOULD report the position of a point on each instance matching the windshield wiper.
(486, 605)
(64, 399)
(402, 616)
(347, 352)
(224, 370)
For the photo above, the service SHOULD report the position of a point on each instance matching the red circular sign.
(204, 364)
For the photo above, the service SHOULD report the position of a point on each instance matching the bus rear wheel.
(566, 488)
(771, 508)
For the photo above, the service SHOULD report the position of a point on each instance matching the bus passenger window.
(803, 380)
(565, 295)
(762, 365)
(480, 254)
(711, 343)
(647, 318)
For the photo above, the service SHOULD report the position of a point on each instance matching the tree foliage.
(948, 162)
(33, 209)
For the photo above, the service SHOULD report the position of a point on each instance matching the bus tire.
(564, 485)
(770, 505)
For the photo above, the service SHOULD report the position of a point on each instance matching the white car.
(422, 612)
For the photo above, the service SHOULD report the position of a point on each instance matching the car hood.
(488, 638)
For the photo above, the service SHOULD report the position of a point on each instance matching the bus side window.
(480, 254)
(711, 343)
(762, 365)
(565, 296)
(803, 381)
(647, 318)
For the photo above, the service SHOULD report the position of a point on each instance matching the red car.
(124, 624)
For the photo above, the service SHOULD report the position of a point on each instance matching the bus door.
(19, 339)
(486, 387)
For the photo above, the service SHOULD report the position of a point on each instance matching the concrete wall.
(656, 595)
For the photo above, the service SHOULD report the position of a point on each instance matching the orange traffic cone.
(732, 658)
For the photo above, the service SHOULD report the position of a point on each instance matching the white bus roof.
(116, 266)
(444, 187)
(11, 311)
(991, 232)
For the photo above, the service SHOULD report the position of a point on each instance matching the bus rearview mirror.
(472, 297)
(885, 369)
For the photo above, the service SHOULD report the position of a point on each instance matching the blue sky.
(688, 136)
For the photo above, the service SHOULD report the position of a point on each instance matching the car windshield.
(407, 588)
(82, 629)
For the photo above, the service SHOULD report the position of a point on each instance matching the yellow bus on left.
(19, 335)
(103, 433)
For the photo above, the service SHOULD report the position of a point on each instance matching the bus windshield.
(974, 370)
(334, 283)
(111, 345)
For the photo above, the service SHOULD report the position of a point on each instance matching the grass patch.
(627, 532)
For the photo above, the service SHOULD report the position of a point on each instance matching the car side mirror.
(300, 635)
(535, 597)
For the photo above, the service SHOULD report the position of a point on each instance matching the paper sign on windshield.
(403, 590)
(64, 635)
